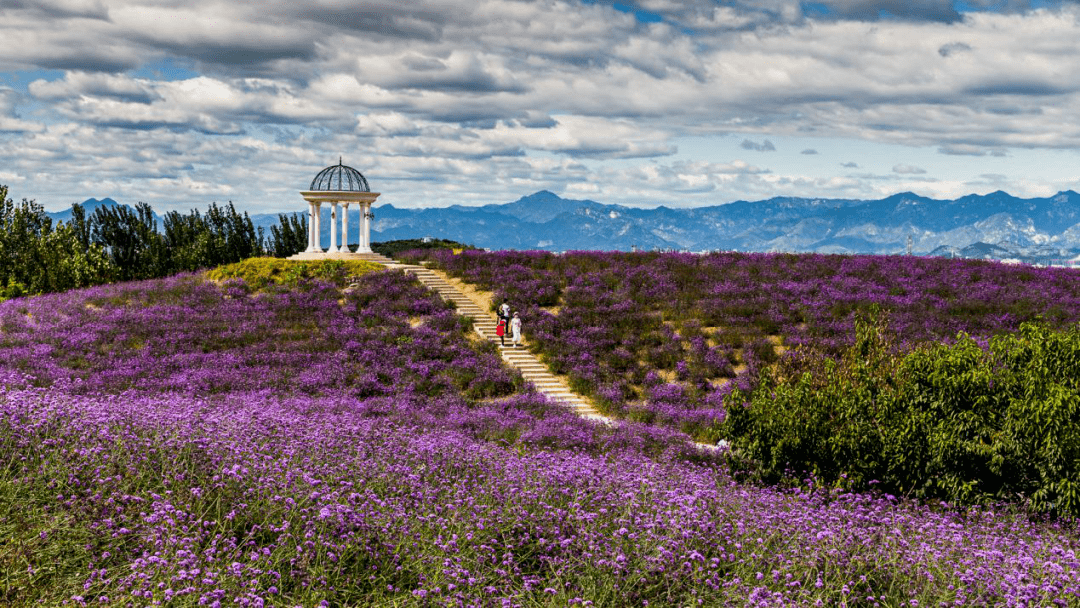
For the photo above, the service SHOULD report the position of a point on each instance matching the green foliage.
(135, 247)
(71, 263)
(221, 236)
(258, 273)
(289, 237)
(963, 422)
(392, 248)
(37, 257)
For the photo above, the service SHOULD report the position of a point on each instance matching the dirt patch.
(777, 343)
(553, 310)
(415, 322)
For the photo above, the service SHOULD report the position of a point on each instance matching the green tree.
(68, 262)
(186, 239)
(36, 257)
(22, 229)
(289, 237)
(131, 239)
(22, 226)
(220, 236)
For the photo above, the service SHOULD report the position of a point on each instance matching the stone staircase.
(484, 322)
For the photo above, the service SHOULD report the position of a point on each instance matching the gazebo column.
(365, 228)
(310, 228)
(344, 228)
(333, 228)
(318, 228)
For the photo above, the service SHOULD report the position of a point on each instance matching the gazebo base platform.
(311, 256)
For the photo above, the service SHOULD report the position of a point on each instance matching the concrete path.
(484, 323)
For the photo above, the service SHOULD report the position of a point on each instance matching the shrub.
(962, 422)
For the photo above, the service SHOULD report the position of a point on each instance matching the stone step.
(563, 398)
(547, 386)
(545, 380)
(552, 390)
(580, 407)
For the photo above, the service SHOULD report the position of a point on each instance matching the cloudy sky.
(679, 102)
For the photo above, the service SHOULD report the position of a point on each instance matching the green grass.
(258, 273)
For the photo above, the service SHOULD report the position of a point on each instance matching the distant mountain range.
(995, 225)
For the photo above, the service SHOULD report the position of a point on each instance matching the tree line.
(120, 243)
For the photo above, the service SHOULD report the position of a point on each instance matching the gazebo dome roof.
(339, 178)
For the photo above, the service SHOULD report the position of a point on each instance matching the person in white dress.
(515, 330)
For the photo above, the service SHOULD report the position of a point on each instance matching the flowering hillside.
(655, 337)
(178, 442)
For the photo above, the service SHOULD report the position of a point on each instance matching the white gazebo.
(338, 186)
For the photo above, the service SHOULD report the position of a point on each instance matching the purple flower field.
(179, 443)
(655, 337)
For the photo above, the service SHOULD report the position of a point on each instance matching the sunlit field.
(185, 442)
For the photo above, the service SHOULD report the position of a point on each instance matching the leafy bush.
(963, 422)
